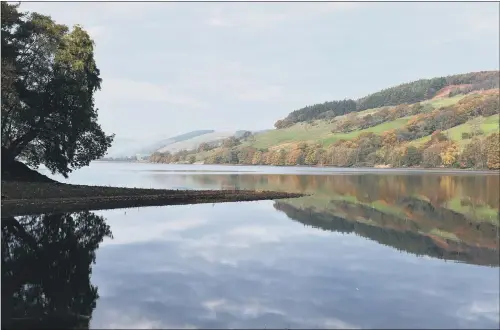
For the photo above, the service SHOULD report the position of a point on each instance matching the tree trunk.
(7, 158)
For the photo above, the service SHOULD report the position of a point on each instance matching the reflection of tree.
(404, 239)
(438, 189)
(46, 267)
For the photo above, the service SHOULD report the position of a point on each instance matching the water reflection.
(46, 267)
(282, 264)
(452, 217)
(233, 265)
(429, 235)
(248, 266)
(476, 195)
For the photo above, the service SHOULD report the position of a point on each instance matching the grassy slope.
(444, 102)
(320, 131)
(489, 125)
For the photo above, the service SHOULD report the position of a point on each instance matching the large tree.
(49, 77)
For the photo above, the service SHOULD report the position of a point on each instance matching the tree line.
(368, 149)
(408, 93)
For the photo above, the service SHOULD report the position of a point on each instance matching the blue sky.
(169, 68)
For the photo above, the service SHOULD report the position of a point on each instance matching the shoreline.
(27, 198)
(335, 169)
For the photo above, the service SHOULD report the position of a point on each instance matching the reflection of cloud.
(237, 265)
(338, 324)
(137, 231)
(253, 308)
(136, 321)
(478, 310)
(254, 233)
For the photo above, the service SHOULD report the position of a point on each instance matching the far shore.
(439, 170)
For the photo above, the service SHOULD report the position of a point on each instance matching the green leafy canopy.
(49, 77)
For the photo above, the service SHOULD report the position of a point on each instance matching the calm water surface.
(371, 250)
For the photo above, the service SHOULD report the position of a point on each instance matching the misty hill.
(173, 140)
(193, 142)
(125, 147)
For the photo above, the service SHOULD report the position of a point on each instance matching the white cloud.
(224, 56)
(232, 79)
(264, 15)
(479, 23)
(263, 93)
(114, 89)
(96, 31)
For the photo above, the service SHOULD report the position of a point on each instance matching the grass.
(444, 234)
(489, 125)
(379, 129)
(444, 102)
(478, 213)
(320, 133)
(297, 133)
(322, 202)
(320, 130)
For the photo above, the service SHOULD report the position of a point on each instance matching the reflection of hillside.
(46, 267)
(474, 196)
(392, 231)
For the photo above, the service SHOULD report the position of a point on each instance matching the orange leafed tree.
(493, 151)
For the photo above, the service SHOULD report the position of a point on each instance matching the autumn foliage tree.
(493, 151)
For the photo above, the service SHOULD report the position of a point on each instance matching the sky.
(170, 68)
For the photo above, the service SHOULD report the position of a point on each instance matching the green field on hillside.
(379, 129)
(489, 125)
(321, 133)
(320, 130)
(444, 102)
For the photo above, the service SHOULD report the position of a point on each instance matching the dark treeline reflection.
(46, 267)
(473, 243)
(453, 217)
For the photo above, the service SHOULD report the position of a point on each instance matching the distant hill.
(194, 141)
(126, 147)
(170, 141)
(447, 121)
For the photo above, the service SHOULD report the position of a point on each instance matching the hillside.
(194, 142)
(126, 147)
(455, 125)
(407, 93)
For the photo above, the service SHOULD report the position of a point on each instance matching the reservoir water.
(366, 249)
